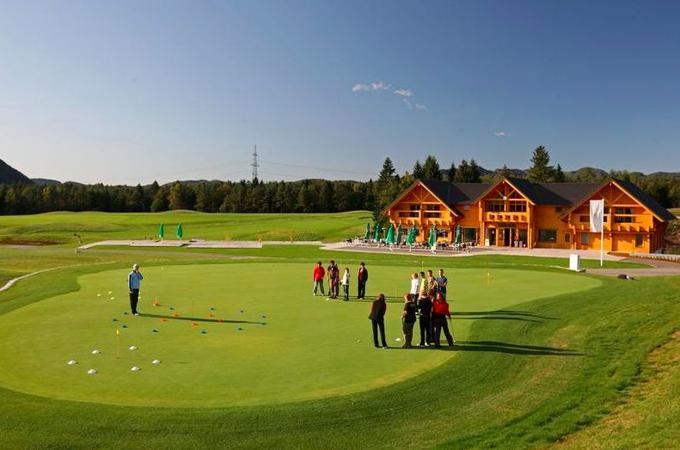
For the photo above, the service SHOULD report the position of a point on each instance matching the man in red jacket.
(362, 278)
(319, 274)
(440, 312)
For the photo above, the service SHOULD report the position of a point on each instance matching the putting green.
(284, 346)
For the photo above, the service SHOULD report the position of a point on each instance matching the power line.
(323, 169)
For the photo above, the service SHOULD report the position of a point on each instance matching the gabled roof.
(456, 193)
(436, 188)
(647, 201)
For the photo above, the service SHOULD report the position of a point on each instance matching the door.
(492, 236)
(522, 238)
(507, 237)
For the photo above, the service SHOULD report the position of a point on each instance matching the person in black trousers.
(377, 317)
(425, 320)
(362, 278)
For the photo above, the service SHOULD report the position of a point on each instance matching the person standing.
(431, 283)
(408, 319)
(345, 283)
(333, 279)
(425, 320)
(318, 275)
(415, 285)
(442, 282)
(424, 288)
(134, 284)
(362, 278)
(440, 312)
(377, 317)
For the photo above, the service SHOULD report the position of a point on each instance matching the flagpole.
(602, 240)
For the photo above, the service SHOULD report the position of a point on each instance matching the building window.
(584, 218)
(408, 214)
(517, 206)
(623, 211)
(415, 207)
(432, 215)
(567, 237)
(547, 235)
(469, 234)
(558, 209)
(624, 219)
(584, 238)
(432, 207)
(495, 206)
(639, 240)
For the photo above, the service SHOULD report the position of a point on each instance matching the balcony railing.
(506, 217)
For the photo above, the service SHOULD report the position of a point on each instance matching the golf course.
(233, 350)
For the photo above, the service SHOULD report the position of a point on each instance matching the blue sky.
(132, 91)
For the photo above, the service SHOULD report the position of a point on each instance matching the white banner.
(596, 215)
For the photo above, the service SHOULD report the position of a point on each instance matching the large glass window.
(432, 207)
(584, 238)
(495, 206)
(639, 240)
(517, 206)
(547, 235)
(469, 234)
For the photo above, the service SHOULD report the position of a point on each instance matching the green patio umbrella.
(378, 231)
(180, 232)
(411, 237)
(390, 235)
(161, 231)
(459, 235)
(398, 239)
(432, 241)
(367, 235)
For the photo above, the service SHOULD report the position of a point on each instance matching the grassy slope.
(93, 226)
(513, 384)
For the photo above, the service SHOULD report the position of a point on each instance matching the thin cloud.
(375, 86)
(501, 134)
(404, 92)
(420, 107)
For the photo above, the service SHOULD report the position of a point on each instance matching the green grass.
(538, 369)
(545, 354)
(318, 343)
(93, 226)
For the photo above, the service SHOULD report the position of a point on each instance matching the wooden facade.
(517, 213)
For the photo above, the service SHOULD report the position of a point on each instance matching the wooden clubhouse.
(514, 212)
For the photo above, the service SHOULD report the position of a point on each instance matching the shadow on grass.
(503, 312)
(504, 347)
(200, 319)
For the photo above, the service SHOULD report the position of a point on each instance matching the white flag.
(596, 215)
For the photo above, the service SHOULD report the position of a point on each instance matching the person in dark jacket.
(408, 319)
(362, 278)
(440, 312)
(333, 279)
(425, 320)
(377, 317)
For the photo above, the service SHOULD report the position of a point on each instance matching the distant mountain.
(9, 174)
(45, 181)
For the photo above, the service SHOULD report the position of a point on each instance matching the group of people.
(425, 303)
(334, 280)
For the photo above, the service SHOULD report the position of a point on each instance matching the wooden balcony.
(508, 217)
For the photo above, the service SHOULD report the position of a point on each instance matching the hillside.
(9, 174)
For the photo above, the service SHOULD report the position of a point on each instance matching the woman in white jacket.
(345, 283)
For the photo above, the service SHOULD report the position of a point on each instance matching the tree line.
(305, 196)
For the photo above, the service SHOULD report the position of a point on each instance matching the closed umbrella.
(161, 231)
(390, 235)
(378, 232)
(433, 237)
(398, 239)
(459, 235)
(180, 232)
(367, 235)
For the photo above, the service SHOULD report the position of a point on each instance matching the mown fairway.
(91, 226)
(544, 356)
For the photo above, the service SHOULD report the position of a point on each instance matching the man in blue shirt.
(442, 282)
(134, 283)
